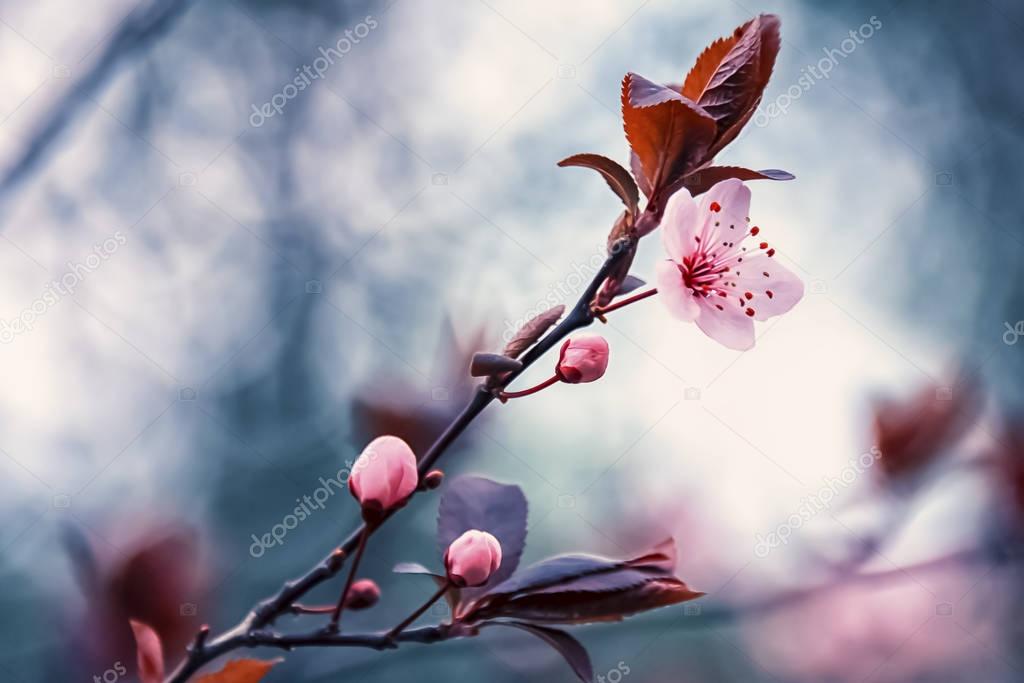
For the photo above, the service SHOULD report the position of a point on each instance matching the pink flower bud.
(583, 359)
(363, 594)
(472, 558)
(384, 475)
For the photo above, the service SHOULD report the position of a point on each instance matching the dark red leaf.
(555, 571)
(578, 607)
(618, 178)
(730, 76)
(564, 571)
(563, 643)
(486, 364)
(669, 133)
(533, 330)
(638, 173)
(582, 588)
(706, 65)
(662, 557)
(472, 502)
(703, 180)
(241, 671)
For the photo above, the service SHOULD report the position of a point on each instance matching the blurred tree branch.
(146, 25)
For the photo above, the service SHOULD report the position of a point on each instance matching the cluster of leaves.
(675, 131)
(567, 589)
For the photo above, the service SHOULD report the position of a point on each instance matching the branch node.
(335, 561)
(199, 642)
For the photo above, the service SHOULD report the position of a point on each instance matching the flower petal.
(674, 293)
(679, 225)
(775, 288)
(732, 198)
(730, 327)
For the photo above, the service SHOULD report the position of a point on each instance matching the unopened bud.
(433, 479)
(384, 475)
(363, 594)
(583, 359)
(472, 558)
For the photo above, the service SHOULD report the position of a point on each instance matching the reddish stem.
(336, 616)
(601, 310)
(423, 608)
(505, 395)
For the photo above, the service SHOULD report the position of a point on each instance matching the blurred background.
(217, 287)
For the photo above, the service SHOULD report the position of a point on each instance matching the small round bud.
(363, 594)
(433, 479)
(335, 560)
(472, 558)
(583, 359)
(384, 475)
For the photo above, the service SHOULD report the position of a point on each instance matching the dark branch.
(267, 611)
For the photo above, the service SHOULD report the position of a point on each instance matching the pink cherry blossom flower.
(472, 558)
(384, 475)
(716, 276)
(583, 359)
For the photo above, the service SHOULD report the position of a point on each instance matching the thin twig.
(267, 611)
(393, 633)
(600, 311)
(360, 549)
(506, 395)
